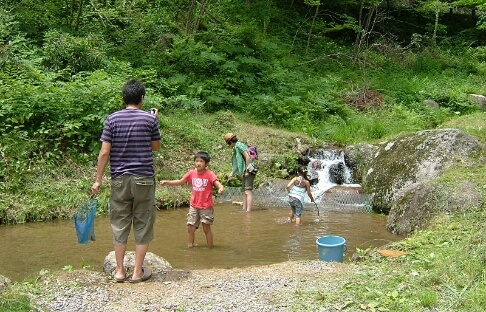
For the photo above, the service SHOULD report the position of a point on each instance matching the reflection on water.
(261, 237)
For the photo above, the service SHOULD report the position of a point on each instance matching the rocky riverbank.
(289, 286)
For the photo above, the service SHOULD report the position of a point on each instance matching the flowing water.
(263, 236)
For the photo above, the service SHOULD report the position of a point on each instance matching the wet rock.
(336, 173)
(154, 262)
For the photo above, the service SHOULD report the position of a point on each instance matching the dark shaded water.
(261, 237)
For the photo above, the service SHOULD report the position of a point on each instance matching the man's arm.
(155, 145)
(103, 158)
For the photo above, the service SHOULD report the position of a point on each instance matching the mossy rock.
(416, 158)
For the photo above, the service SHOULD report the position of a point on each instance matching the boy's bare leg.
(209, 234)
(297, 221)
(191, 230)
(243, 205)
(140, 252)
(120, 257)
(249, 199)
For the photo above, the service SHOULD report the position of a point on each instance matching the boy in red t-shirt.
(201, 205)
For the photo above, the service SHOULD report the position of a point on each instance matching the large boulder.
(358, 158)
(417, 203)
(415, 158)
(404, 177)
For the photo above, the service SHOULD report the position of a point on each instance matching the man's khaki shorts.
(132, 201)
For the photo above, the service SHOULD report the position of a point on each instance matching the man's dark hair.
(132, 92)
(203, 155)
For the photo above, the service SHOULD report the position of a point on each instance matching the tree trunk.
(200, 15)
(360, 28)
(80, 12)
(309, 35)
(190, 16)
(436, 25)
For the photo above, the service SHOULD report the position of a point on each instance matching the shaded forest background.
(336, 71)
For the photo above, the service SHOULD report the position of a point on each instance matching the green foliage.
(64, 52)
(14, 302)
(61, 77)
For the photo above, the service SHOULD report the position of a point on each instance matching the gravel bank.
(277, 287)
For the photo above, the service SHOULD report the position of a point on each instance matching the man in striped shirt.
(128, 139)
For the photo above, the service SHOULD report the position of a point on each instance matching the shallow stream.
(261, 237)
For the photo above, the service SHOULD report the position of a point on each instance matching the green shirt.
(238, 162)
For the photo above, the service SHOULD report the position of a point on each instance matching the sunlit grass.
(13, 302)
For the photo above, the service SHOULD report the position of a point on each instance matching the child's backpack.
(252, 151)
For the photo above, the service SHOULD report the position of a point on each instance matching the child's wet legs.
(291, 216)
(247, 200)
(191, 229)
(208, 233)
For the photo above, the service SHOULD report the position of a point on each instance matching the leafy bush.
(64, 52)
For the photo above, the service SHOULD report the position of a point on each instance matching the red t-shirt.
(202, 188)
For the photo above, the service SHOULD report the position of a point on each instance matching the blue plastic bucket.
(331, 248)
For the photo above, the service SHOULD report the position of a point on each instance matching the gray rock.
(479, 99)
(154, 262)
(416, 204)
(358, 158)
(4, 283)
(431, 104)
(415, 158)
(337, 173)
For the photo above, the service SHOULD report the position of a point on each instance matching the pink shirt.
(202, 188)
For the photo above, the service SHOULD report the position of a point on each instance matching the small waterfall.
(327, 169)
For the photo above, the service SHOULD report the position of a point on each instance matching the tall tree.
(436, 7)
(316, 4)
(368, 15)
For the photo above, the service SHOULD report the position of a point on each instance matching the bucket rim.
(334, 236)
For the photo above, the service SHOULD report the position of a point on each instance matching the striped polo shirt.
(130, 132)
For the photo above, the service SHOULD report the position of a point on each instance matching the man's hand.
(95, 189)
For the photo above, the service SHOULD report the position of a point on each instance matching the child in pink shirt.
(201, 204)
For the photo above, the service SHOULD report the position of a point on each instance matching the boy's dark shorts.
(247, 182)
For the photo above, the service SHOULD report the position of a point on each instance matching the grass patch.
(443, 270)
(14, 302)
(474, 124)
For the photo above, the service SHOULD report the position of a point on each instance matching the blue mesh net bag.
(84, 221)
